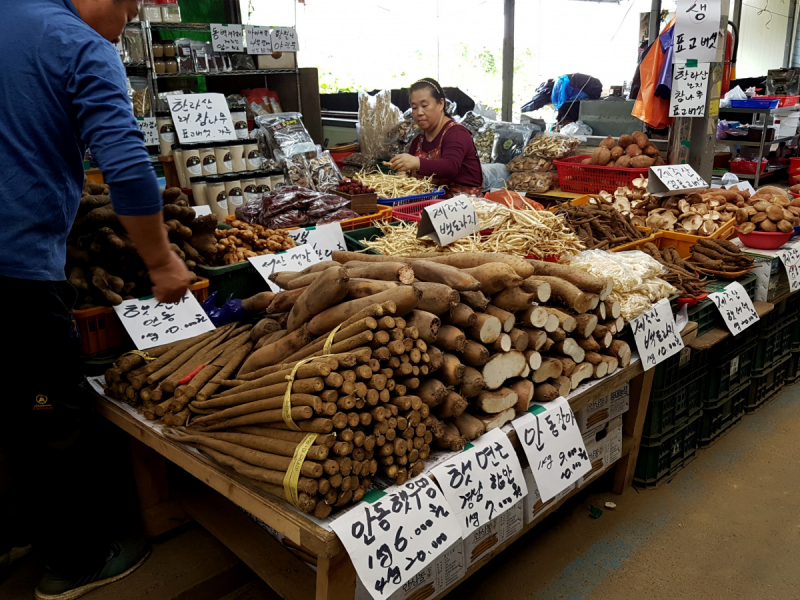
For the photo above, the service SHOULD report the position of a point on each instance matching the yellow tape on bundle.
(287, 397)
(293, 472)
(329, 342)
(147, 358)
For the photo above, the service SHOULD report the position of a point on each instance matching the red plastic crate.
(413, 212)
(577, 178)
(747, 167)
(782, 100)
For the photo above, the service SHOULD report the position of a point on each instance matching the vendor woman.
(444, 149)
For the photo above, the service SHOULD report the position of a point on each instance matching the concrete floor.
(726, 527)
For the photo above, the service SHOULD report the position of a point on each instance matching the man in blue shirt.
(64, 88)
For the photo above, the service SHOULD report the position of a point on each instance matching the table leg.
(633, 426)
(336, 578)
(160, 513)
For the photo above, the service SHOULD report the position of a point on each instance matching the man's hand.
(171, 280)
(405, 162)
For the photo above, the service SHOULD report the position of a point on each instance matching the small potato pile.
(244, 241)
(771, 210)
(634, 151)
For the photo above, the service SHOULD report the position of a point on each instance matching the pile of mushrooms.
(696, 213)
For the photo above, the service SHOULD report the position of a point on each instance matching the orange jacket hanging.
(654, 111)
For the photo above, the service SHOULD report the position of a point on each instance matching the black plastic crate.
(675, 372)
(729, 367)
(657, 463)
(668, 413)
(773, 346)
(721, 416)
(793, 371)
(766, 387)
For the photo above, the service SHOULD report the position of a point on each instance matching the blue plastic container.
(755, 103)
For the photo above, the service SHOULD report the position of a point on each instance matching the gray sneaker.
(123, 559)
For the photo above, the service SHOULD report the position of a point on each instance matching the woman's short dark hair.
(428, 84)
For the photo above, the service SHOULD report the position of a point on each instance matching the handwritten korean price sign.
(284, 39)
(294, 259)
(201, 117)
(149, 129)
(258, 40)
(152, 323)
(392, 539)
(226, 38)
(791, 261)
(689, 91)
(735, 307)
(448, 221)
(674, 179)
(656, 334)
(324, 240)
(697, 30)
(553, 444)
(483, 481)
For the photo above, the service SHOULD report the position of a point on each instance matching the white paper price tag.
(294, 259)
(674, 179)
(201, 117)
(226, 38)
(791, 260)
(735, 306)
(482, 482)
(258, 40)
(553, 444)
(152, 323)
(697, 30)
(149, 129)
(392, 539)
(284, 39)
(324, 239)
(689, 91)
(448, 221)
(656, 334)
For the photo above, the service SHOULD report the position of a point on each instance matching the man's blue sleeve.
(106, 123)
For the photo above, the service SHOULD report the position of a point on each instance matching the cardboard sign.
(669, 180)
(791, 260)
(448, 221)
(483, 481)
(226, 38)
(697, 30)
(656, 334)
(284, 39)
(324, 239)
(201, 118)
(736, 308)
(152, 323)
(553, 444)
(149, 129)
(294, 259)
(689, 91)
(258, 39)
(390, 540)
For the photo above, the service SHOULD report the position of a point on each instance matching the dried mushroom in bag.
(473, 122)
(484, 142)
(510, 140)
(551, 145)
(286, 132)
(325, 175)
(296, 172)
(527, 181)
(531, 163)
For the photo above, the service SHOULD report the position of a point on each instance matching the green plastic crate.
(721, 415)
(657, 463)
(767, 386)
(667, 414)
(240, 280)
(705, 312)
(354, 238)
(675, 372)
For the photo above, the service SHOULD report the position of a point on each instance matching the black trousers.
(46, 431)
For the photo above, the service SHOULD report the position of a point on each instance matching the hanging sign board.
(736, 307)
(669, 180)
(258, 39)
(226, 38)
(448, 221)
(294, 259)
(689, 91)
(656, 334)
(152, 323)
(697, 30)
(201, 118)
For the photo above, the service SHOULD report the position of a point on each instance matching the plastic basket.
(412, 212)
(578, 178)
(677, 371)
(755, 103)
(354, 239)
(782, 100)
(766, 387)
(657, 463)
(775, 338)
(683, 242)
(384, 214)
(240, 280)
(101, 329)
(720, 416)
(730, 368)
(410, 199)
(668, 413)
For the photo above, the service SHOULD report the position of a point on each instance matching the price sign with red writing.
(390, 537)
(553, 444)
(152, 323)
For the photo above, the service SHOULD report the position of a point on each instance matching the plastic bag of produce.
(286, 198)
(326, 204)
(531, 163)
(295, 169)
(527, 181)
(290, 218)
(399, 138)
(286, 133)
(338, 215)
(250, 212)
(484, 141)
(473, 122)
(325, 175)
(377, 115)
(510, 140)
(551, 145)
(494, 176)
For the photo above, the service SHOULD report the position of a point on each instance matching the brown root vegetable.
(616, 152)
(328, 289)
(436, 298)
(265, 326)
(385, 271)
(507, 319)
(523, 388)
(486, 329)
(621, 351)
(477, 301)
(469, 427)
(494, 277)
(274, 353)
(427, 325)
(540, 288)
(577, 277)
(502, 367)
(461, 316)
(284, 301)
(513, 299)
(501, 344)
(582, 372)
(362, 288)
(569, 347)
(623, 161)
(633, 151)
(471, 383)
(546, 392)
(493, 402)
(496, 421)
(641, 139)
(625, 140)
(259, 302)
(451, 339)
(549, 369)
(404, 297)
(568, 294)
(474, 354)
(519, 339)
(452, 406)
(601, 156)
(452, 372)
(533, 358)
(607, 142)
(641, 162)
(585, 324)
(565, 321)
(536, 337)
(534, 316)
(445, 274)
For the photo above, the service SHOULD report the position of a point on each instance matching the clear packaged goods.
(286, 133)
